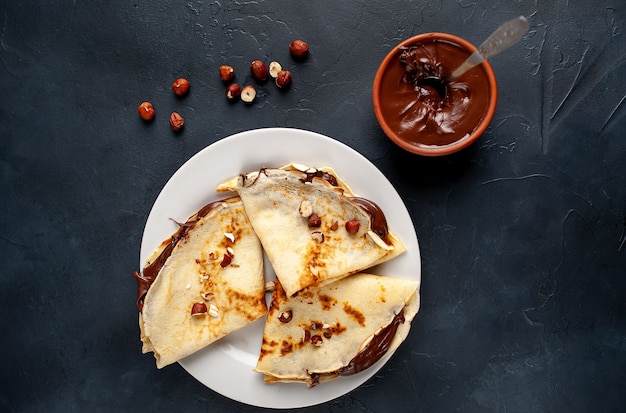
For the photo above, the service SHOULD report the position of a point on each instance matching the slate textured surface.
(523, 235)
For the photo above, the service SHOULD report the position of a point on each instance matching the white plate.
(226, 365)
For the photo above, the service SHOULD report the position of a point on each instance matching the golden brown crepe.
(306, 220)
(339, 329)
(215, 271)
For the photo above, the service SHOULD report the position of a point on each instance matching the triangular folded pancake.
(336, 330)
(280, 204)
(215, 264)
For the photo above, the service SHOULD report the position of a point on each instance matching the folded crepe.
(312, 227)
(336, 330)
(202, 283)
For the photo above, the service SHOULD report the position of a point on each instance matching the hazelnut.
(198, 309)
(213, 310)
(146, 111)
(176, 122)
(207, 296)
(227, 73)
(285, 316)
(306, 335)
(334, 226)
(315, 221)
(259, 70)
(306, 208)
(298, 49)
(283, 79)
(248, 93)
(353, 226)
(317, 236)
(180, 87)
(233, 91)
(226, 260)
(274, 68)
(316, 340)
(270, 286)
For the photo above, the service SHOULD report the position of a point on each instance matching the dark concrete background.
(522, 235)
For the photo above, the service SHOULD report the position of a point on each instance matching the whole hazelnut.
(248, 93)
(283, 79)
(176, 122)
(180, 87)
(233, 91)
(298, 49)
(259, 70)
(146, 111)
(227, 73)
(353, 226)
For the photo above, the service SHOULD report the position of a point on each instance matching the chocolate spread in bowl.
(424, 108)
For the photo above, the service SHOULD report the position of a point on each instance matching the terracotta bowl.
(456, 115)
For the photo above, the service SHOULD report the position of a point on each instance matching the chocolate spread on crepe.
(151, 270)
(339, 329)
(203, 283)
(302, 254)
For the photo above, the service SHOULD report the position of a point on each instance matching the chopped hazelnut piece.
(316, 340)
(207, 296)
(353, 226)
(315, 221)
(285, 316)
(198, 309)
(306, 208)
(226, 260)
(213, 310)
(317, 236)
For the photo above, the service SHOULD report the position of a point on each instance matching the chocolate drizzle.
(370, 354)
(379, 222)
(316, 173)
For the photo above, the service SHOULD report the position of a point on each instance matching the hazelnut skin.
(233, 91)
(146, 111)
(176, 122)
(283, 79)
(298, 49)
(353, 226)
(227, 73)
(259, 70)
(180, 87)
(198, 309)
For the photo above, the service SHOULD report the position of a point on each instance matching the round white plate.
(226, 365)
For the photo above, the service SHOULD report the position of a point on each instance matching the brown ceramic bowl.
(424, 115)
